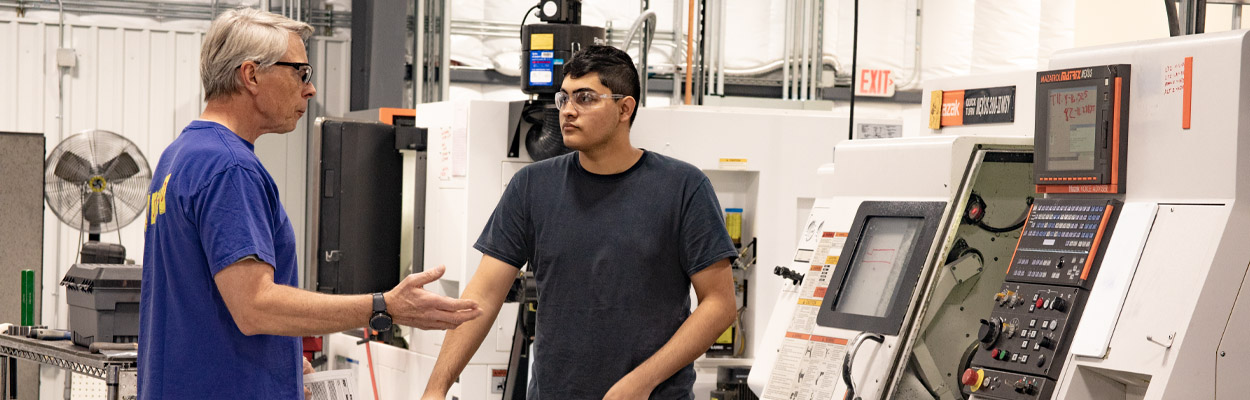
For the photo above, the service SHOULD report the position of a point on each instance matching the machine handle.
(850, 356)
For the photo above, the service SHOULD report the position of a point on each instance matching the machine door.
(854, 302)
(870, 292)
(877, 272)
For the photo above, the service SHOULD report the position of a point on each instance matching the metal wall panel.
(8, 72)
(141, 80)
(21, 230)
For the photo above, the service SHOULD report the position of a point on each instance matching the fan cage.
(114, 203)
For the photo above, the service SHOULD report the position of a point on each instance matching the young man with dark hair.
(616, 236)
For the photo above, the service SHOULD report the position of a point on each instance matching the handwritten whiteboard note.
(1174, 78)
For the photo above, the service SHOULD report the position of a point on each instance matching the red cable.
(369, 356)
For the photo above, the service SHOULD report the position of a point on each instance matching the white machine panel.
(804, 363)
(1118, 266)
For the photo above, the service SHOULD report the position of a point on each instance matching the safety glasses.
(305, 69)
(584, 100)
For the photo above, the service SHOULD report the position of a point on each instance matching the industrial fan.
(97, 182)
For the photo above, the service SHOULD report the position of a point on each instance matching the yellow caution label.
(809, 302)
(831, 260)
(727, 337)
(935, 109)
(545, 41)
(733, 163)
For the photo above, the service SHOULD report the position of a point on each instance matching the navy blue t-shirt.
(613, 256)
(211, 204)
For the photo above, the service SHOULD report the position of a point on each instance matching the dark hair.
(615, 67)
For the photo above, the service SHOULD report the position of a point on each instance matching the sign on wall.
(972, 106)
(874, 83)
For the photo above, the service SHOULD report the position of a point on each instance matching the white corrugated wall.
(959, 37)
(140, 83)
(138, 78)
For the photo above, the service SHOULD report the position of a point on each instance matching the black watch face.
(380, 322)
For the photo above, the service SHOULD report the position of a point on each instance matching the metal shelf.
(63, 354)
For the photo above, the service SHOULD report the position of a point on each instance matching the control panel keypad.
(1059, 242)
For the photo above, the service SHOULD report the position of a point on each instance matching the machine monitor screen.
(877, 267)
(1081, 136)
(1071, 128)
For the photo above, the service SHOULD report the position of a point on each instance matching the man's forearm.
(708, 321)
(488, 288)
(459, 346)
(287, 311)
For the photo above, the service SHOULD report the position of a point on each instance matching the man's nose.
(568, 111)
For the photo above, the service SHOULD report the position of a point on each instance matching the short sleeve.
(506, 235)
(235, 219)
(704, 240)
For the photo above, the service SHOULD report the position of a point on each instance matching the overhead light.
(550, 8)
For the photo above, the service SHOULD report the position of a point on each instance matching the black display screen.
(1071, 129)
(878, 271)
(878, 265)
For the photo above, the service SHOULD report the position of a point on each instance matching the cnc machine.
(891, 267)
(1161, 318)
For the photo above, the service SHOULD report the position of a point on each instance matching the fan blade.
(73, 168)
(98, 208)
(121, 167)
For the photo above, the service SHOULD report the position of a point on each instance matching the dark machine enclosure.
(360, 206)
(566, 40)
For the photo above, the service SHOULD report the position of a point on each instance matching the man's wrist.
(640, 379)
(379, 318)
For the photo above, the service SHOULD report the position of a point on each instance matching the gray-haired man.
(219, 314)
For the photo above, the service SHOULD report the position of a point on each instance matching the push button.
(972, 378)
(1059, 304)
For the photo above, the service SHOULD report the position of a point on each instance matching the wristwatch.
(381, 320)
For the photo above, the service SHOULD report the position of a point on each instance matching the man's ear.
(247, 74)
(627, 108)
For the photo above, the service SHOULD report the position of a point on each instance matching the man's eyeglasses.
(584, 100)
(305, 69)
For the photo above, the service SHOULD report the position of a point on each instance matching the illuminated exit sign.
(874, 83)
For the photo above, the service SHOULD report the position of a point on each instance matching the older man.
(220, 314)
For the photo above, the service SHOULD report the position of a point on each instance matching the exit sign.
(875, 83)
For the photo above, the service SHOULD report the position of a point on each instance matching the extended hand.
(308, 369)
(409, 304)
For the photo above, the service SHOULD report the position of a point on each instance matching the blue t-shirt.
(211, 203)
(613, 256)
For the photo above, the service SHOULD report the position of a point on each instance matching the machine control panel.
(1029, 329)
(1060, 242)
(994, 384)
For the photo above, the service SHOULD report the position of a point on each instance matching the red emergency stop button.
(1040, 302)
(969, 377)
(973, 378)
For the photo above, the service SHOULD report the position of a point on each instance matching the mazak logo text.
(1068, 75)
